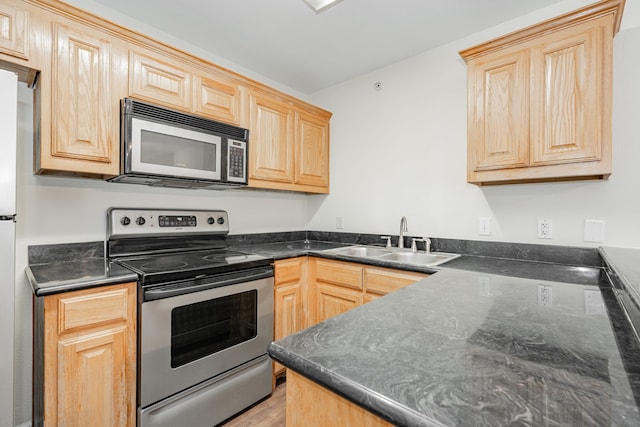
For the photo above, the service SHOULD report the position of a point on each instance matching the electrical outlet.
(484, 226)
(545, 229)
(339, 225)
(545, 295)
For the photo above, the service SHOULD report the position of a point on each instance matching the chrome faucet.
(403, 228)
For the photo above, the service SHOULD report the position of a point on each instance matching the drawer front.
(339, 273)
(92, 308)
(383, 281)
(289, 270)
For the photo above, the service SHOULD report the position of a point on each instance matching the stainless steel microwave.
(163, 147)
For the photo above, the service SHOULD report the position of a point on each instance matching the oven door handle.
(175, 289)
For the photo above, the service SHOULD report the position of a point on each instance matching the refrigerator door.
(8, 130)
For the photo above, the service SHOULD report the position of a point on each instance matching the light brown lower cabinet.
(339, 286)
(311, 405)
(289, 291)
(85, 358)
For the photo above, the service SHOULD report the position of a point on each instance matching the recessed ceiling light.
(321, 5)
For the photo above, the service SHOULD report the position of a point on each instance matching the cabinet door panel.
(334, 300)
(14, 27)
(82, 122)
(271, 140)
(312, 150)
(565, 97)
(217, 100)
(499, 112)
(156, 79)
(288, 314)
(91, 380)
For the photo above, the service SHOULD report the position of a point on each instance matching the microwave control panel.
(236, 161)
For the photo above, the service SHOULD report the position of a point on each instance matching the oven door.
(161, 149)
(188, 338)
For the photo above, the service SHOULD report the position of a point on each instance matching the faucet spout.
(403, 228)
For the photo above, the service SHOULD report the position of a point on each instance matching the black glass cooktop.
(162, 268)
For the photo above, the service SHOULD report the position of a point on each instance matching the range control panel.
(132, 222)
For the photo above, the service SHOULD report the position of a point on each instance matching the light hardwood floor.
(269, 412)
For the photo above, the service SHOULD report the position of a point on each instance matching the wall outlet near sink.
(545, 229)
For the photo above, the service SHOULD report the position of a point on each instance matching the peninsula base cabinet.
(85, 358)
(311, 405)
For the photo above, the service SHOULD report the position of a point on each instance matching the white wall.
(64, 210)
(402, 151)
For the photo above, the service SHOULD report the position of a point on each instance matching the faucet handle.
(427, 244)
(388, 240)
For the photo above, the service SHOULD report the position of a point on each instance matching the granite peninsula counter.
(469, 348)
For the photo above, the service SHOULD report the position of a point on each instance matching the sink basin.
(398, 255)
(430, 259)
(361, 251)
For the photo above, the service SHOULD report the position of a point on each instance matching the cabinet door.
(288, 314)
(90, 357)
(271, 145)
(289, 299)
(333, 300)
(566, 107)
(312, 150)
(83, 116)
(159, 80)
(14, 28)
(498, 117)
(217, 99)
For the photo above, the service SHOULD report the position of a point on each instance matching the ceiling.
(287, 42)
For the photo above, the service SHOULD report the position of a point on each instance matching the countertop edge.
(392, 411)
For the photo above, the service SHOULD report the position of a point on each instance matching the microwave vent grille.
(174, 117)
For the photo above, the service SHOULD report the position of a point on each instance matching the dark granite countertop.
(473, 348)
(63, 276)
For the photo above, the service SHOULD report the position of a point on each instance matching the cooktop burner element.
(159, 265)
(170, 245)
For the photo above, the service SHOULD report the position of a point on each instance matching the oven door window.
(207, 327)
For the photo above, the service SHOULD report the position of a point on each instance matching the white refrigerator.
(8, 138)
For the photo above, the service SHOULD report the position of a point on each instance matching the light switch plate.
(484, 226)
(593, 231)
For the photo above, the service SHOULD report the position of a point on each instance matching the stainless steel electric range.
(205, 315)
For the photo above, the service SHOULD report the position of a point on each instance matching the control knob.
(140, 220)
(125, 220)
(221, 220)
(211, 220)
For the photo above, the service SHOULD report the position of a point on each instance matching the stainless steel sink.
(396, 255)
(361, 251)
(420, 258)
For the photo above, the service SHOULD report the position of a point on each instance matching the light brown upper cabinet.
(159, 80)
(14, 29)
(288, 144)
(539, 100)
(80, 88)
(82, 66)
